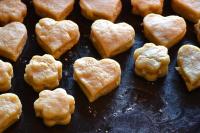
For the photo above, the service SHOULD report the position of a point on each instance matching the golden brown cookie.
(166, 31)
(6, 74)
(189, 9)
(189, 65)
(151, 61)
(197, 28)
(57, 37)
(111, 39)
(55, 107)
(43, 72)
(101, 9)
(10, 110)
(12, 11)
(144, 7)
(13, 37)
(97, 78)
(56, 9)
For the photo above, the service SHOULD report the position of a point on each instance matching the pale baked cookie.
(56, 9)
(189, 65)
(144, 7)
(166, 31)
(111, 39)
(55, 107)
(189, 9)
(43, 72)
(57, 37)
(197, 28)
(151, 61)
(13, 37)
(12, 10)
(6, 74)
(10, 110)
(97, 78)
(101, 9)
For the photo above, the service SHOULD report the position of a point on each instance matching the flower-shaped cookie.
(189, 65)
(13, 37)
(55, 9)
(151, 61)
(6, 74)
(111, 39)
(12, 11)
(57, 37)
(10, 110)
(101, 9)
(43, 72)
(55, 107)
(97, 78)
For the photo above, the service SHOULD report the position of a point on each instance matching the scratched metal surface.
(136, 106)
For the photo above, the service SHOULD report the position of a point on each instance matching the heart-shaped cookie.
(111, 39)
(11, 11)
(13, 37)
(55, 9)
(189, 65)
(166, 31)
(101, 9)
(144, 7)
(56, 37)
(97, 78)
(10, 110)
(189, 9)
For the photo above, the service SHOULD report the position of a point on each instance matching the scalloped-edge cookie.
(55, 107)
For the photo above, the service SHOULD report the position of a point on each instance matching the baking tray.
(136, 106)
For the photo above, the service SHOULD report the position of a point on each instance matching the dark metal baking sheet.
(136, 106)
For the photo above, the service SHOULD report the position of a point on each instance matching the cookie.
(97, 78)
(12, 11)
(43, 72)
(189, 9)
(55, 107)
(10, 110)
(188, 61)
(151, 61)
(197, 28)
(13, 37)
(101, 9)
(144, 7)
(6, 72)
(111, 39)
(57, 37)
(54, 9)
(166, 31)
